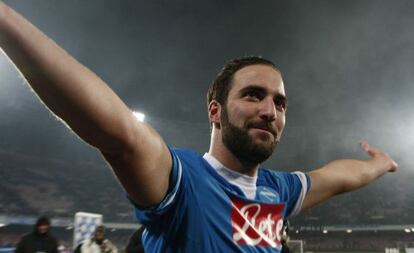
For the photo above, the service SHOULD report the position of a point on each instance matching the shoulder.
(280, 178)
(186, 158)
(27, 236)
(273, 176)
(184, 153)
(88, 240)
(53, 238)
(86, 243)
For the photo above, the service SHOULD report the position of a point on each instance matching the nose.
(268, 110)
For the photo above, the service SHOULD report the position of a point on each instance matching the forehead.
(259, 75)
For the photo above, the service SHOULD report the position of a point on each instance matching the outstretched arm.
(342, 176)
(137, 153)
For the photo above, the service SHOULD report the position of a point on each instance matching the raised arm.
(138, 155)
(342, 176)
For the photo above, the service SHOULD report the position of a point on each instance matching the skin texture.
(137, 154)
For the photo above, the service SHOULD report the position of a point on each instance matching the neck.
(219, 151)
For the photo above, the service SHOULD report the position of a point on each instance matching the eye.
(281, 103)
(253, 95)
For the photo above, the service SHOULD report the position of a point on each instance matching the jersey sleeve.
(297, 185)
(147, 215)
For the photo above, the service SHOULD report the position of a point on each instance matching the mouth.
(264, 128)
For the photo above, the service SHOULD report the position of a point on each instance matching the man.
(40, 240)
(97, 244)
(221, 202)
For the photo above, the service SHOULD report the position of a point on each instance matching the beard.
(241, 144)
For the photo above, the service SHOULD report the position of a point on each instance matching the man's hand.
(380, 159)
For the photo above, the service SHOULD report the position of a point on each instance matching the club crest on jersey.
(256, 224)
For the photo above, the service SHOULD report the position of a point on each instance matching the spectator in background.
(97, 244)
(285, 237)
(135, 242)
(40, 240)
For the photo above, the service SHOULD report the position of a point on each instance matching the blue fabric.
(199, 213)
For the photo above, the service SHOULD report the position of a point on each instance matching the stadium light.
(325, 231)
(349, 231)
(407, 230)
(139, 116)
(2, 225)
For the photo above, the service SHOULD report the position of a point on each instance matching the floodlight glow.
(325, 231)
(412, 229)
(349, 231)
(2, 225)
(139, 116)
(407, 230)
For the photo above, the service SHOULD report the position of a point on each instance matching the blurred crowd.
(43, 238)
(128, 241)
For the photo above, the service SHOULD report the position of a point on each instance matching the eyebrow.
(253, 87)
(259, 88)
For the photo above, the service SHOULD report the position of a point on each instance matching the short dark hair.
(42, 220)
(100, 229)
(220, 87)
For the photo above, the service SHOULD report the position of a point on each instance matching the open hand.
(382, 159)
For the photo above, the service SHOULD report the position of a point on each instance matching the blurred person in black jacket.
(40, 240)
(135, 242)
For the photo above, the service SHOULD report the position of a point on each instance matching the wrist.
(376, 168)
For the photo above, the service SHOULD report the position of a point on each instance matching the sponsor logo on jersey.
(256, 224)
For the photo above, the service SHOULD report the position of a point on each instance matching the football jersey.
(203, 212)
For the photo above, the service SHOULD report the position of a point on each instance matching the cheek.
(236, 115)
(280, 122)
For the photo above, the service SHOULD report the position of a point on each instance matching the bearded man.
(222, 201)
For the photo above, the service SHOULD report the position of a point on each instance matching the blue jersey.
(203, 212)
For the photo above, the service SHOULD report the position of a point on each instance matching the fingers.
(394, 167)
(367, 148)
(364, 145)
(377, 153)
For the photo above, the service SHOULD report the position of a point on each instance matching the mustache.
(263, 125)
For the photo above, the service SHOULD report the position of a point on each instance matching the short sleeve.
(297, 185)
(146, 215)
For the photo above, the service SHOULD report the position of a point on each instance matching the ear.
(214, 113)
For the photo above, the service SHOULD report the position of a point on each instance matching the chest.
(225, 213)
